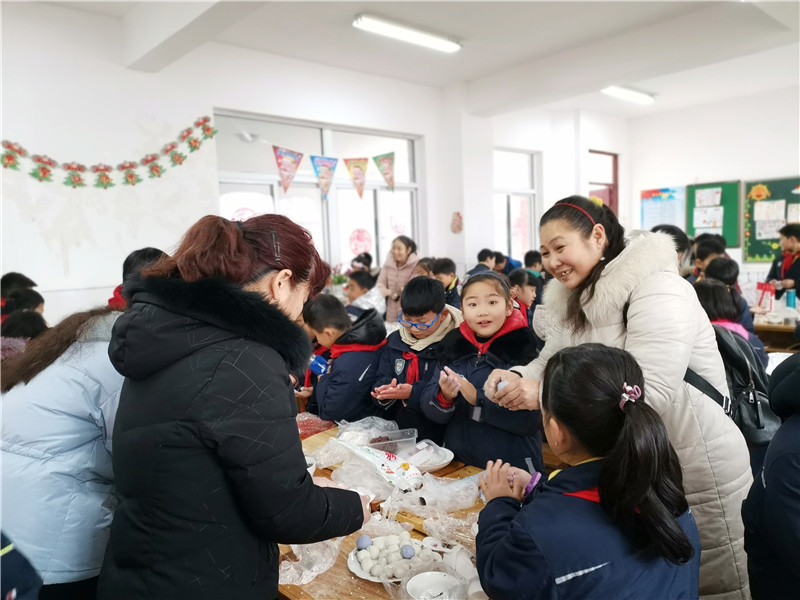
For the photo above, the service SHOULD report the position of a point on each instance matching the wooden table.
(777, 337)
(338, 583)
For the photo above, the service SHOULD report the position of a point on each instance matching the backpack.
(747, 402)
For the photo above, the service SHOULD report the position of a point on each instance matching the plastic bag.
(356, 472)
(450, 530)
(394, 469)
(313, 559)
(379, 526)
(330, 454)
(361, 432)
(437, 495)
(310, 424)
(455, 587)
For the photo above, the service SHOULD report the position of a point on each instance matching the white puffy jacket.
(668, 331)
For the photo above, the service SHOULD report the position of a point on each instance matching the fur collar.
(513, 348)
(646, 254)
(228, 307)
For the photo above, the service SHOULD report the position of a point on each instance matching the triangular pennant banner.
(288, 162)
(385, 163)
(357, 167)
(324, 168)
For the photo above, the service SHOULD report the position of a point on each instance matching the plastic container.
(400, 442)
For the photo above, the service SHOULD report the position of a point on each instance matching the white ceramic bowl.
(311, 465)
(431, 583)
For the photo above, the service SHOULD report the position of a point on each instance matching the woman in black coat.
(209, 468)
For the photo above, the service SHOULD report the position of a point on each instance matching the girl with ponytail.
(615, 523)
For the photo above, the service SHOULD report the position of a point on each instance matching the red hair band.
(580, 209)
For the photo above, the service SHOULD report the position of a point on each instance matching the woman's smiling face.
(569, 256)
(485, 309)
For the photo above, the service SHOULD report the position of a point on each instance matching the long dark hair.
(726, 270)
(716, 299)
(641, 485)
(42, 351)
(582, 214)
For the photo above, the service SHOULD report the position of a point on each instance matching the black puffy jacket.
(209, 468)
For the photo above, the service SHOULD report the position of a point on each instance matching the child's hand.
(393, 391)
(464, 386)
(304, 392)
(494, 482)
(449, 384)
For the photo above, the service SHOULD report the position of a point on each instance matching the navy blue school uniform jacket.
(785, 266)
(771, 512)
(452, 295)
(344, 392)
(479, 268)
(562, 544)
(399, 361)
(487, 431)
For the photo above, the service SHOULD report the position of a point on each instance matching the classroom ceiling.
(516, 55)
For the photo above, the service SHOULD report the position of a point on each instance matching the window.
(342, 226)
(603, 177)
(514, 203)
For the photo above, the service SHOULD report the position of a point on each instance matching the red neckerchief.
(338, 350)
(515, 321)
(788, 261)
(2, 302)
(319, 350)
(523, 310)
(592, 494)
(117, 302)
(412, 375)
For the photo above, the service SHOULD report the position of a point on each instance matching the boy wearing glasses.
(343, 392)
(410, 356)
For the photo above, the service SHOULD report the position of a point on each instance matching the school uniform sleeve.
(783, 498)
(518, 422)
(510, 564)
(435, 406)
(343, 392)
(774, 270)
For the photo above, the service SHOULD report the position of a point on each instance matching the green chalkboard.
(759, 244)
(729, 200)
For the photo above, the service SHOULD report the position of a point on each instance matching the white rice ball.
(400, 569)
(393, 548)
(379, 543)
(415, 561)
(374, 553)
(405, 536)
(382, 561)
(426, 554)
(361, 555)
(367, 564)
(393, 558)
(376, 571)
(392, 540)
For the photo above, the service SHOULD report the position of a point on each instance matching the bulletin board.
(769, 205)
(714, 208)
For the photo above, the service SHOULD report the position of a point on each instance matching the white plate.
(355, 566)
(443, 457)
(431, 583)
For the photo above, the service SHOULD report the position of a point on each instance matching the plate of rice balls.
(388, 557)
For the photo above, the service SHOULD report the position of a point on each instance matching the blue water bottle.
(791, 299)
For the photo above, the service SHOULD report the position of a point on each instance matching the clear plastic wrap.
(330, 454)
(356, 472)
(438, 495)
(312, 559)
(452, 531)
(361, 432)
(379, 526)
(309, 424)
(455, 587)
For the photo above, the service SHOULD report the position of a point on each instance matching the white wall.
(751, 137)
(66, 94)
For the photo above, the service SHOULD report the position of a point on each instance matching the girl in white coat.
(628, 294)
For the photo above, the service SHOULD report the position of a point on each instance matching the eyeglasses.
(419, 326)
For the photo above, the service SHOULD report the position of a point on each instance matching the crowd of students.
(197, 367)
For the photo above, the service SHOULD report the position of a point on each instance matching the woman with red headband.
(628, 294)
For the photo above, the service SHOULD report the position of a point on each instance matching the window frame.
(532, 193)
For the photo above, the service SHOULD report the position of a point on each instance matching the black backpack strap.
(709, 390)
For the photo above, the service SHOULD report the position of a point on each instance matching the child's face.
(526, 294)
(789, 244)
(427, 318)
(354, 290)
(702, 264)
(421, 271)
(485, 308)
(567, 254)
(537, 267)
(445, 278)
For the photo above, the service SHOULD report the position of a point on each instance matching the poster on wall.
(288, 162)
(357, 167)
(385, 163)
(663, 206)
(324, 169)
(769, 205)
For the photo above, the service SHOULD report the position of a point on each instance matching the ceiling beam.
(157, 34)
(688, 41)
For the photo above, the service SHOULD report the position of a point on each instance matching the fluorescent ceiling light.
(405, 34)
(629, 95)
